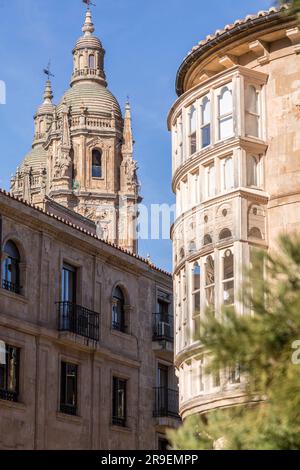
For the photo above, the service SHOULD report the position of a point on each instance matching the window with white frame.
(205, 122)
(196, 281)
(252, 170)
(225, 113)
(252, 111)
(234, 374)
(192, 130)
(179, 148)
(228, 278)
(211, 180)
(210, 281)
(228, 175)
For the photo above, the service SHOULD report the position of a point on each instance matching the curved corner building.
(236, 175)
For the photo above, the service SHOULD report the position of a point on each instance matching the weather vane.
(88, 3)
(47, 71)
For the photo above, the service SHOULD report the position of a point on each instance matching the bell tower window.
(97, 164)
(92, 61)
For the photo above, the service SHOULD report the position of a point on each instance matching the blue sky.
(145, 43)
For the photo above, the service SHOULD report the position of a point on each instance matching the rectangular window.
(228, 278)
(210, 282)
(205, 122)
(119, 402)
(234, 374)
(179, 150)
(196, 299)
(69, 284)
(252, 111)
(192, 130)
(9, 372)
(68, 384)
(225, 113)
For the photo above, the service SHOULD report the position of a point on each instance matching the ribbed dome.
(36, 158)
(92, 95)
(89, 42)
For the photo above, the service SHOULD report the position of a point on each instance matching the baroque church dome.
(88, 85)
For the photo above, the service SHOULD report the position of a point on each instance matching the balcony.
(78, 320)
(166, 403)
(11, 287)
(163, 328)
(8, 395)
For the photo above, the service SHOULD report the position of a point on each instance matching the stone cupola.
(88, 63)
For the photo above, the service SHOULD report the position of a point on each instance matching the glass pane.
(225, 102)
(228, 174)
(68, 285)
(206, 116)
(210, 271)
(251, 100)
(206, 136)
(196, 277)
(193, 123)
(210, 296)
(226, 128)
(252, 171)
(229, 293)
(193, 144)
(228, 265)
(196, 301)
(252, 125)
(211, 181)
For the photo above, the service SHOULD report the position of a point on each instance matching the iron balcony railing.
(8, 395)
(163, 327)
(166, 403)
(68, 409)
(11, 286)
(78, 320)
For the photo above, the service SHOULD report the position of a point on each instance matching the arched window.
(196, 282)
(192, 130)
(91, 61)
(255, 233)
(252, 170)
(210, 281)
(252, 111)
(207, 239)
(224, 234)
(118, 310)
(181, 253)
(228, 175)
(81, 62)
(225, 114)
(206, 122)
(41, 126)
(96, 164)
(211, 181)
(179, 150)
(11, 268)
(228, 278)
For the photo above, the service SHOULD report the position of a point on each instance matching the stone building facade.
(235, 132)
(86, 324)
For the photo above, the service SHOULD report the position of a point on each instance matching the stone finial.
(88, 27)
(48, 94)
(127, 132)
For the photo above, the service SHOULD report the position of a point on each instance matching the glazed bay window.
(9, 372)
(228, 278)
(210, 282)
(192, 130)
(68, 388)
(119, 402)
(252, 111)
(196, 282)
(205, 122)
(225, 113)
